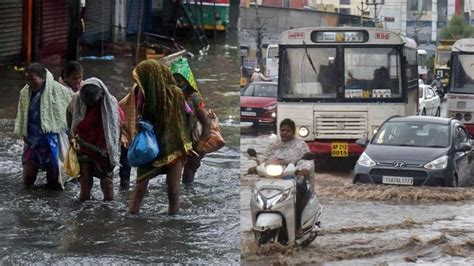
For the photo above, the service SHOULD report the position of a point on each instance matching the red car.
(258, 103)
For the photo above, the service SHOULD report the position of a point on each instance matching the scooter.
(273, 205)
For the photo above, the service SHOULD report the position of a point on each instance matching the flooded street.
(368, 224)
(39, 226)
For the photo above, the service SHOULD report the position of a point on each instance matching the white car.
(428, 101)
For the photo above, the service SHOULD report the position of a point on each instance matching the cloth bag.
(144, 147)
(71, 164)
(215, 140)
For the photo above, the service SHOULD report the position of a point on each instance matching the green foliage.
(457, 28)
(430, 63)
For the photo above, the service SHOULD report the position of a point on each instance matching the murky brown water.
(44, 227)
(368, 224)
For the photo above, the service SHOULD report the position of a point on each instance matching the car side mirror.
(464, 147)
(362, 142)
(429, 96)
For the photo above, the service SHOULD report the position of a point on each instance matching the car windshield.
(415, 134)
(261, 90)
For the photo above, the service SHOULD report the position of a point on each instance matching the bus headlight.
(303, 131)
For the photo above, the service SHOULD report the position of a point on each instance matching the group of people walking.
(53, 115)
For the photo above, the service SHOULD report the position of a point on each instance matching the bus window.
(463, 74)
(371, 73)
(271, 61)
(443, 57)
(303, 80)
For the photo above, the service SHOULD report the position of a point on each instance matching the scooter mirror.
(252, 152)
(308, 156)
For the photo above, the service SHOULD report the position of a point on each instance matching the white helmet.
(257, 69)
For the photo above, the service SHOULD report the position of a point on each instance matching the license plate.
(339, 149)
(248, 113)
(398, 180)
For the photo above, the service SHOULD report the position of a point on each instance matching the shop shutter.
(98, 20)
(11, 30)
(54, 28)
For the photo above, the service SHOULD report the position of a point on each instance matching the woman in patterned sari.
(40, 119)
(161, 102)
(95, 127)
(185, 80)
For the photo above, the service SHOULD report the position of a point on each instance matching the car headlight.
(274, 170)
(303, 131)
(280, 198)
(365, 160)
(440, 163)
(271, 107)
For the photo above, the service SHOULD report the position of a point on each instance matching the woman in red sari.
(95, 127)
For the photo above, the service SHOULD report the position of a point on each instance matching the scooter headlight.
(274, 170)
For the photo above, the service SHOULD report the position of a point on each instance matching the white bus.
(422, 58)
(460, 96)
(340, 84)
(271, 61)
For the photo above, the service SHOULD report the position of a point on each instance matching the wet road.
(368, 224)
(53, 227)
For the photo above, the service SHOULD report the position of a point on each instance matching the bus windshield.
(462, 79)
(442, 57)
(365, 73)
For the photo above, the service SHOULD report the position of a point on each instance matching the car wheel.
(438, 111)
(423, 112)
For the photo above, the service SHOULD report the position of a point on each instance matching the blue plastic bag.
(144, 147)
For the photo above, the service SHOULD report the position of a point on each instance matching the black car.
(416, 151)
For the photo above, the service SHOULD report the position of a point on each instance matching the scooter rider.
(289, 150)
(437, 84)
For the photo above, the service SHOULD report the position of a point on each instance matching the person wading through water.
(40, 119)
(185, 80)
(161, 103)
(95, 125)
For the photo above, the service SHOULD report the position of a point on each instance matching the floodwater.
(368, 224)
(54, 227)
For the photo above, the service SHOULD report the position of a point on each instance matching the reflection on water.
(369, 224)
(53, 227)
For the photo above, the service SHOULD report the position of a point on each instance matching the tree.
(457, 28)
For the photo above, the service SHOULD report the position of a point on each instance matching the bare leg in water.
(30, 171)
(86, 180)
(107, 186)
(137, 197)
(173, 179)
